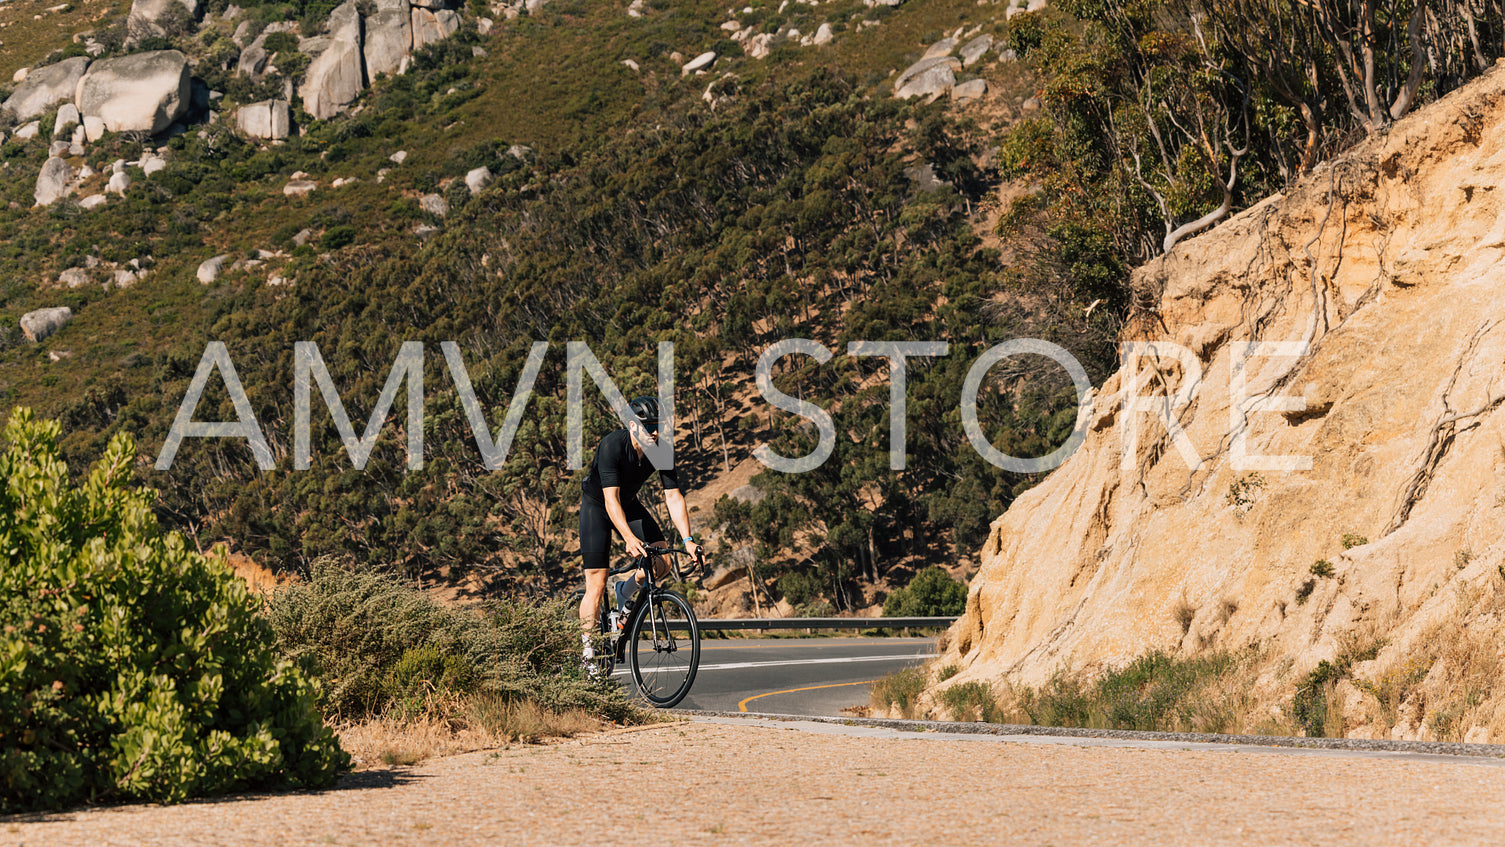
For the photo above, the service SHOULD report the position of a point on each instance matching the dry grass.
(480, 723)
(29, 31)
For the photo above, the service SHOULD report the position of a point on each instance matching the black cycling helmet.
(645, 409)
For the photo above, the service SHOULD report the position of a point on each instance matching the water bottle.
(611, 620)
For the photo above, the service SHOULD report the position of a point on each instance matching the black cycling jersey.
(618, 464)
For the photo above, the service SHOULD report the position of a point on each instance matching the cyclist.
(608, 501)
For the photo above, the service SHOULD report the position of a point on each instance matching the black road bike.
(660, 639)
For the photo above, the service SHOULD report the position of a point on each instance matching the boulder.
(67, 117)
(79, 135)
(142, 92)
(520, 152)
(336, 77)
(267, 119)
(760, 45)
(314, 46)
(699, 63)
(970, 90)
(823, 35)
(209, 269)
(725, 575)
(93, 201)
(27, 132)
(399, 157)
(430, 27)
(389, 36)
(119, 182)
(938, 80)
(58, 148)
(253, 59)
(45, 87)
(973, 51)
(299, 188)
(74, 278)
(94, 127)
(748, 493)
(940, 48)
(20, 75)
(54, 182)
(146, 15)
(124, 278)
(152, 163)
(478, 179)
(927, 76)
(41, 323)
(434, 204)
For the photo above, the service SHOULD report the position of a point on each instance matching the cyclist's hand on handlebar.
(696, 551)
(636, 548)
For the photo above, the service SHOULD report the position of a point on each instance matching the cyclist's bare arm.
(675, 500)
(618, 515)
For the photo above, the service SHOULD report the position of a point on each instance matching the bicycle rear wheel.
(664, 648)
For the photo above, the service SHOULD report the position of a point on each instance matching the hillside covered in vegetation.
(637, 192)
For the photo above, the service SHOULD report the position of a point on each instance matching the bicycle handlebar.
(653, 551)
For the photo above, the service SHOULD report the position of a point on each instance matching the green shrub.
(932, 593)
(1322, 568)
(798, 587)
(132, 668)
(899, 690)
(338, 236)
(280, 42)
(380, 643)
(1156, 692)
(969, 701)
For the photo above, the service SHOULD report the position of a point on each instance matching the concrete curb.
(1436, 748)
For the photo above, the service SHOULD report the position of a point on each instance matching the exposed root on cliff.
(1441, 438)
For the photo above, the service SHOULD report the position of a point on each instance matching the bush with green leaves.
(932, 593)
(131, 667)
(381, 645)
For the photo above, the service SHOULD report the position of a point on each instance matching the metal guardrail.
(825, 623)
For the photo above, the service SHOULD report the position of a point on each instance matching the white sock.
(588, 649)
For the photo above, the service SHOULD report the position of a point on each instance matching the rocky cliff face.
(1388, 266)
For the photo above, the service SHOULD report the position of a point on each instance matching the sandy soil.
(704, 782)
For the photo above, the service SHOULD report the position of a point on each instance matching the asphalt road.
(795, 676)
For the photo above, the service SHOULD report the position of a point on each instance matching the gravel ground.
(724, 781)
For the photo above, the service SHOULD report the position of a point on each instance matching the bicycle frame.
(654, 602)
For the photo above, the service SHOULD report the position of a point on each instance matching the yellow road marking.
(742, 706)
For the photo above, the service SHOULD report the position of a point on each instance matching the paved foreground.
(738, 782)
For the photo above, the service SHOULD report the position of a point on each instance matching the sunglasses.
(650, 428)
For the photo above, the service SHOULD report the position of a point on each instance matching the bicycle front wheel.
(664, 648)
